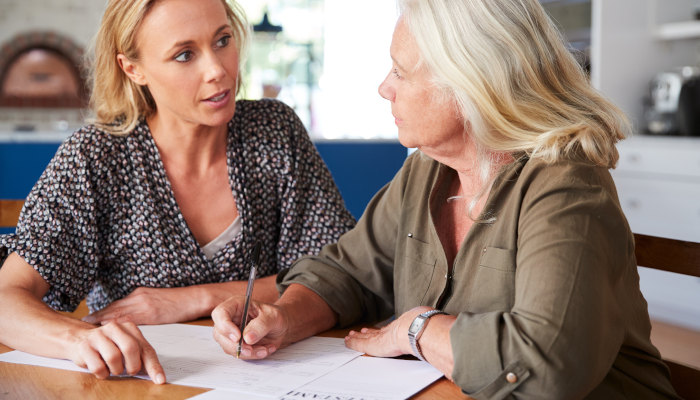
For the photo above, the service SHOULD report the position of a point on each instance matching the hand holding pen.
(254, 260)
(267, 325)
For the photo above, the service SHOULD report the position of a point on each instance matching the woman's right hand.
(28, 324)
(264, 334)
(115, 348)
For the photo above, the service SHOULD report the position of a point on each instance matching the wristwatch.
(415, 331)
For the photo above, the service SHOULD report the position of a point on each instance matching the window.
(327, 62)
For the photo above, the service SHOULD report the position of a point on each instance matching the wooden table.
(32, 382)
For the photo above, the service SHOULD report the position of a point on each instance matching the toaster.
(673, 106)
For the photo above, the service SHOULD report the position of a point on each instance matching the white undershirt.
(213, 247)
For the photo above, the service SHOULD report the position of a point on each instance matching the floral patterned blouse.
(102, 220)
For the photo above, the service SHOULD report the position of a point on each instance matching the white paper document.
(364, 378)
(190, 356)
(374, 378)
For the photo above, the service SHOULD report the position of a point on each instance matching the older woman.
(153, 211)
(500, 246)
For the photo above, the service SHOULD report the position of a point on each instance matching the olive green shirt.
(548, 292)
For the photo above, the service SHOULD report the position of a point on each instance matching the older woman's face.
(425, 118)
(188, 61)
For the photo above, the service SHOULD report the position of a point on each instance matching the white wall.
(76, 19)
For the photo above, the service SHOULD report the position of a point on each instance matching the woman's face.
(425, 118)
(188, 59)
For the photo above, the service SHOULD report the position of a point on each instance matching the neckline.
(441, 184)
(220, 242)
(169, 194)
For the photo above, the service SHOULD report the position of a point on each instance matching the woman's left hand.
(148, 306)
(152, 306)
(389, 341)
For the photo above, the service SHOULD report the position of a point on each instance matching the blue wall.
(21, 164)
(359, 168)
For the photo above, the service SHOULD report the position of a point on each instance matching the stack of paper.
(323, 366)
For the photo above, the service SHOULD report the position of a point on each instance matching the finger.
(95, 318)
(260, 325)
(229, 330)
(135, 344)
(356, 343)
(363, 333)
(120, 320)
(152, 365)
(374, 342)
(110, 312)
(93, 362)
(91, 319)
(228, 345)
(80, 361)
(108, 352)
(257, 352)
(145, 356)
(264, 351)
(227, 314)
(364, 339)
(129, 340)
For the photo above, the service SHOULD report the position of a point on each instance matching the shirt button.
(511, 377)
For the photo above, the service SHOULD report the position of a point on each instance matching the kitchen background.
(326, 59)
(303, 55)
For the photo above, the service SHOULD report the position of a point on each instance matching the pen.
(254, 260)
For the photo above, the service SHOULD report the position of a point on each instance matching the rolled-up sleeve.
(56, 232)
(355, 275)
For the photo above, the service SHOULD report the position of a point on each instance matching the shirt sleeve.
(573, 262)
(312, 211)
(355, 275)
(56, 232)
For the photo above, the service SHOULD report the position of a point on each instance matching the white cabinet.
(658, 183)
(675, 20)
(678, 30)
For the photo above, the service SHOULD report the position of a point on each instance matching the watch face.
(416, 324)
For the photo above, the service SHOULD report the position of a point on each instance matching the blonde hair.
(518, 88)
(116, 101)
